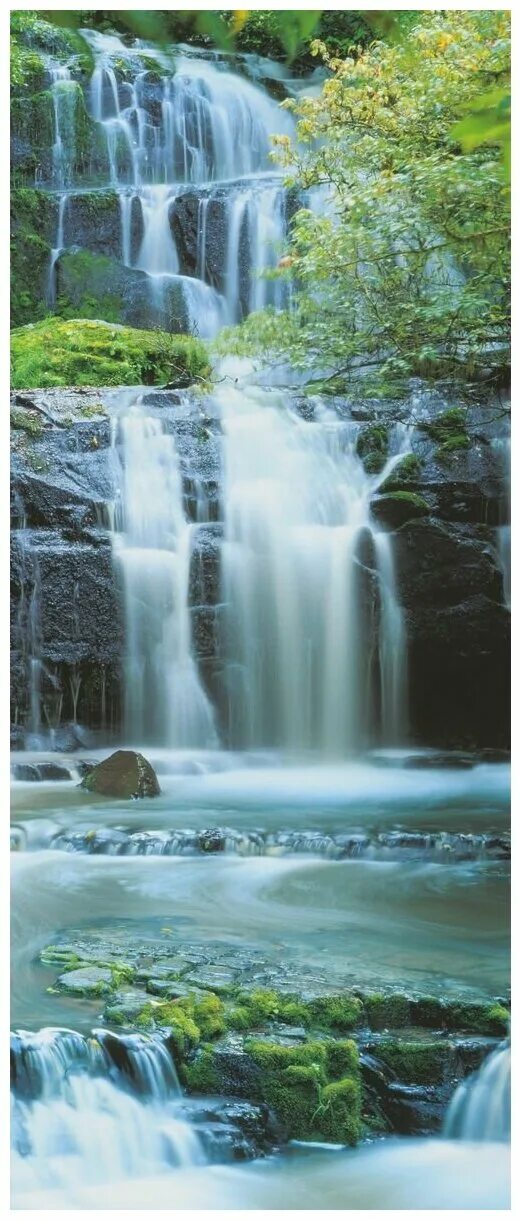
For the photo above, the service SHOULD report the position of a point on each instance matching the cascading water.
(97, 1111)
(164, 699)
(191, 123)
(296, 587)
(480, 1108)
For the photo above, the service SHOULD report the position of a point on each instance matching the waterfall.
(392, 646)
(96, 1110)
(480, 1108)
(164, 699)
(57, 249)
(503, 532)
(64, 98)
(296, 505)
(191, 123)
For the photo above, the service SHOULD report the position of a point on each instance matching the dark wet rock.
(81, 275)
(125, 775)
(35, 772)
(450, 585)
(92, 220)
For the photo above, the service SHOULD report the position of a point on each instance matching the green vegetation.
(55, 352)
(296, 1083)
(33, 221)
(418, 1062)
(408, 272)
(449, 430)
(372, 446)
(408, 470)
(409, 498)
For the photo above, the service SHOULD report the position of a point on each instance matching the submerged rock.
(125, 774)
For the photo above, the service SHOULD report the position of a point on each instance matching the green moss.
(387, 1011)
(239, 1018)
(171, 1015)
(479, 1018)
(410, 498)
(372, 446)
(25, 422)
(408, 470)
(341, 1058)
(33, 224)
(339, 1111)
(200, 1074)
(207, 1012)
(454, 445)
(85, 279)
(473, 1017)
(416, 1062)
(257, 1008)
(32, 125)
(449, 430)
(82, 352)
(296, 1083)
(342, 1012)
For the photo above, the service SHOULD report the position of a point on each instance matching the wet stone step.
(438, 846)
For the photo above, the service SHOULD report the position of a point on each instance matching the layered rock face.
(445, 509)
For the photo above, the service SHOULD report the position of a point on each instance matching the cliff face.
(445, 505)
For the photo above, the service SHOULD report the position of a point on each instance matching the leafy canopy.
(401, 265)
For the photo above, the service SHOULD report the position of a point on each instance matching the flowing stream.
(345, 858)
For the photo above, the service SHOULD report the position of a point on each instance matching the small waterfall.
(480, 1108)
(503, 533)
(296, 504)
(57, 248)
(64, 93)
(94, 1111)
(164, 699)
(392, 646)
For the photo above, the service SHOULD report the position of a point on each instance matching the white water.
(164, 700)
(196, 124)
(295, 589)
(480, 1108)
(81, 1127)
(85, 1139)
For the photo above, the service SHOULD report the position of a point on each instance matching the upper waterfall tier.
(174, 153)
(188, 122)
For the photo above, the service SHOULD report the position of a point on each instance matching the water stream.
(344, 857)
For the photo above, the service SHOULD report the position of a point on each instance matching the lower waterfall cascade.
(279, 979)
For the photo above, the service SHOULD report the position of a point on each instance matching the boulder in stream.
(125, 775)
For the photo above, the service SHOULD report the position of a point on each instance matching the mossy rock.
(372, 446)
(125, 775)
(95, 353)
(33, 225)
(407, 471)
(449, 430)
(387, 1011)
(296, 1084)
(416, 1062)
(397, 507)
(86, 981)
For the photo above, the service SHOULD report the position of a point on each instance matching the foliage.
(56, 352)
(402, 267)
(33, 221)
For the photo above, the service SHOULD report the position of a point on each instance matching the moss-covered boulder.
(82, 352)
(125, 775)
(372, 446)
(450, 431)
(313, 1089)
(397, 507)
(92, 285)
